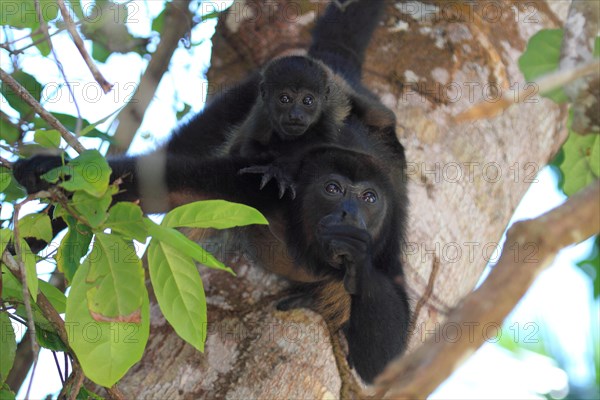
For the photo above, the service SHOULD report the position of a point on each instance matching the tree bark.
(428, 62)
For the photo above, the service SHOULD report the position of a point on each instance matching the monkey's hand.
(28, 172)
(349, 248)
(275, 171)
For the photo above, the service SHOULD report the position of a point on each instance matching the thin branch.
(44, 27)
(6, 163)
(70, 24)
(538, 241)
(50, 313)
(20, 265)
(544, 84)
(37, 107)
(178, 22)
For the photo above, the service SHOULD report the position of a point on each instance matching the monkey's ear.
(327, 91)
(263, 90)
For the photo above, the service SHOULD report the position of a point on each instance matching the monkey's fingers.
(266, 178)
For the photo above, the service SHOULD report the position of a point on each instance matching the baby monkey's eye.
(369, 197)
(308, 101)
(333, 188)
(284, 98)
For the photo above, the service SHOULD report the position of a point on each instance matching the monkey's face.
(293, 111)
(345, 215)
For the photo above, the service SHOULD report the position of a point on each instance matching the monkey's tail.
(342, 35)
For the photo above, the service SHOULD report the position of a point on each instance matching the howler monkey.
(299, 105)
(345, 225)
(344, 228)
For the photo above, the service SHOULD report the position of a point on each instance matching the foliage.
(577, 162)
(107, 307)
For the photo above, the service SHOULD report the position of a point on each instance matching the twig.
(544, 84)
(76, 384)
(37, 107)
(35, 348)
(6, 163)
(44, 28)
(419, 373)
(70, 24)
(178, 21)
(115, 393)
(51, 315)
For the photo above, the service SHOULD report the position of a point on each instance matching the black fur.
(330, 241)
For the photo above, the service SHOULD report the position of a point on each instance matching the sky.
(561, 297)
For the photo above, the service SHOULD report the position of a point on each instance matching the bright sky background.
(561, 297)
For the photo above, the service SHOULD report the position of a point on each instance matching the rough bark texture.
(427, 63)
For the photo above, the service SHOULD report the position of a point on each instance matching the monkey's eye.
(284, 98)
(308, 101)
(333, 188)
(369, 197)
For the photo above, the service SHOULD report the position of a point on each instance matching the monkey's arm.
(341, 37)
(379, 312)
(162, 182)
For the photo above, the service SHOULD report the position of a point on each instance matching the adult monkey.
(347, 223)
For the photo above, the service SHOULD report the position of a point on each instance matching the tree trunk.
(428, 62)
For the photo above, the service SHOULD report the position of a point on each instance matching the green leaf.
(42, 43)
(117, 279)
(9, 132)
(6, 393)
(541, 57)
(22, 14)
(37, 226)
(591, 266)
(99, 52)
(13, 191)
(127, 220)
(179, 292)
(158, 22)
(74, 245)
(218, 214)
(178, 241)
(581, 163)
(5, 178)
(15, 101)
(5, 237)
(85, 394)
(72, 123)
(47, 138)
(183, 113)
(88, 172)
(29, 260)
(54, 296)
(12, 290)
(92, 208)
(92, 127)
(106, 350)
(76, 7)
(50, 340)
(8, 346)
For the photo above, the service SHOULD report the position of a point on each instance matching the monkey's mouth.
(293, 129)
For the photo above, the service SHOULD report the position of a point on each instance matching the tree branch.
(37, 107)
(418, 374)
(544, 84)
(70, 24)
(178, 21)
